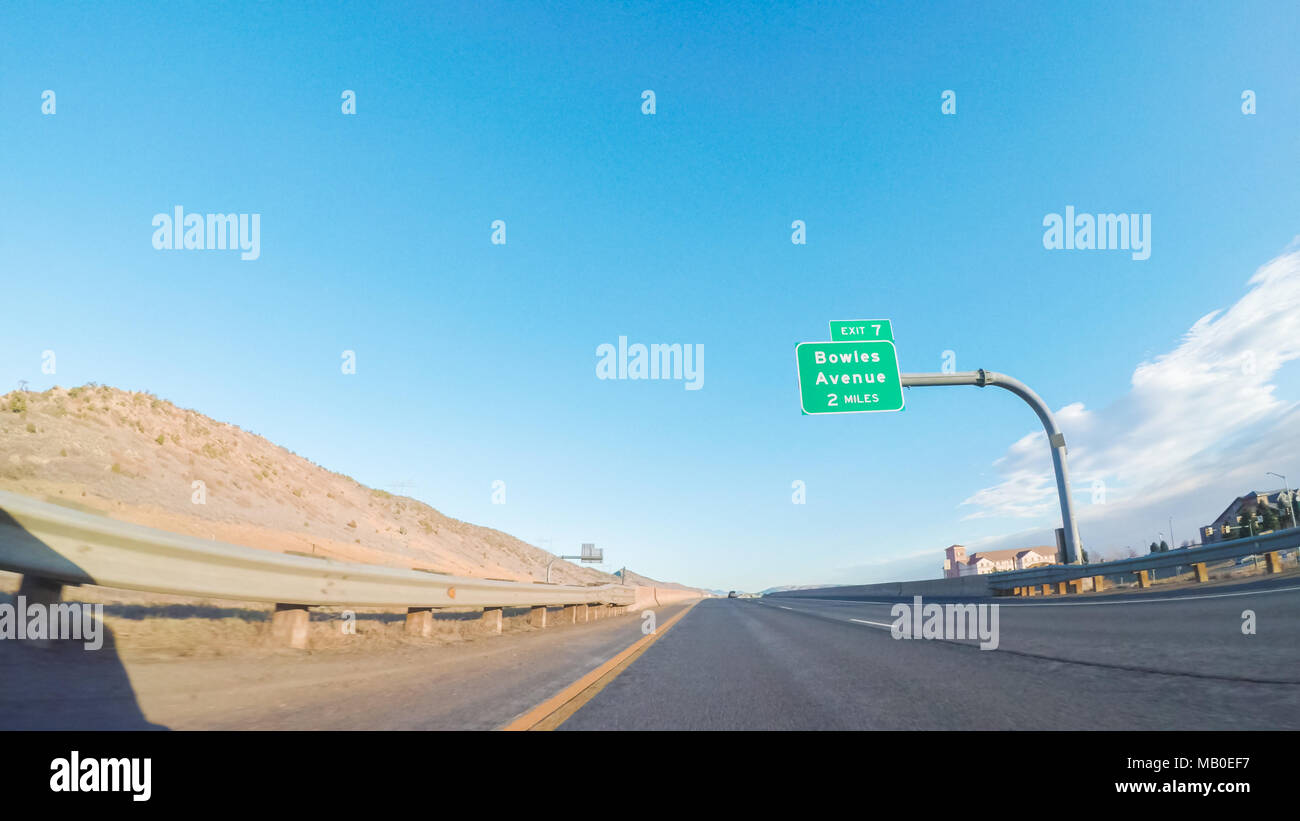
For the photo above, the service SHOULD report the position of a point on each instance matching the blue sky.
(476, 362)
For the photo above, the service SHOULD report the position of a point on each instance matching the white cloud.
(1199, 426)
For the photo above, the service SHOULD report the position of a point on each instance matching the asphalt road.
(1149, 662)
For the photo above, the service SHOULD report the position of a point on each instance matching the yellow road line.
(556, 710)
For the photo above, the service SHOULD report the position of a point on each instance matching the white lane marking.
(783, 607)
(1088, 603)
(873, 623)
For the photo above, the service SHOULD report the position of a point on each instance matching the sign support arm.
(1055, 439)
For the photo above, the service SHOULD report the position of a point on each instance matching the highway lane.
(1119, 663)
(1188, 631)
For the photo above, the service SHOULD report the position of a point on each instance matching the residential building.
(1221, 529)
(956, 563)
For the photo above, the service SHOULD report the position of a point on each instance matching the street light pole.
(553, 561)
(586, 558)
(1290, 505)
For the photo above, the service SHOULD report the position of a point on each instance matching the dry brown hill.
(136, 457)
(637, 579)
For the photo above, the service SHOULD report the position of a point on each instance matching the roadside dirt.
(463, 678)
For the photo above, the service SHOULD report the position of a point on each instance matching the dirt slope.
(136, 457)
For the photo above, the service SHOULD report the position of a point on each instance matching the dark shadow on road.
(60, 684)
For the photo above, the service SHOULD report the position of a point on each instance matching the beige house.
(1229, 522)
(956, 563)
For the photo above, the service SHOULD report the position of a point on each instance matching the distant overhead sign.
(854, 330)
(848, 377)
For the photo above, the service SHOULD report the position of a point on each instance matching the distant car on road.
(731, 595)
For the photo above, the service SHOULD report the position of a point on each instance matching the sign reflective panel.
(848, 377)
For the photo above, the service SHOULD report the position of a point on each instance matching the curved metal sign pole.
(1055, 439)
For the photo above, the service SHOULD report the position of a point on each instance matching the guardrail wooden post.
(1274, 561)
(289, 625)
(1078, 585)
(1047, 590)
(1144, 578)
(1098, 584)
(593, 611)
(39, 590)
(1015, 591)
(537, 617)
(492, 618)
(419, 621)
(1063, 588)
(570, 614)
(42, 591)
(1031, 591)
(1202, 575)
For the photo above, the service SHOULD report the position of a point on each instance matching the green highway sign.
(853, 330)
(848, 377)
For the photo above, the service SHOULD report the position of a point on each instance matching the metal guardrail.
(68, 546)
(1056, 573)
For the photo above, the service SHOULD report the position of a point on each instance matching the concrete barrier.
(962, 587)
(670, 595)
(649, 596)
(645, 597)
